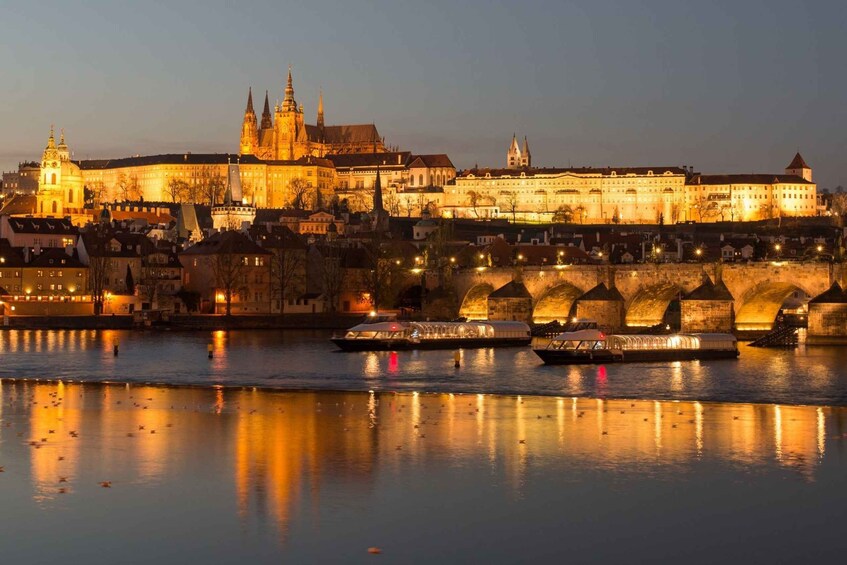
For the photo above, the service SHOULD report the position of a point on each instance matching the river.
(306, 360)
(281, 449)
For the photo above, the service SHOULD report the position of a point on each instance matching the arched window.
(52, 178)
(411, 180)
(55, 207)
(420, 180)
(70, 196)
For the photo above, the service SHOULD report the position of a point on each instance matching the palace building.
(645, 195)
(286, 136)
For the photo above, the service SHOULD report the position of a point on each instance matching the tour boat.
(594, 346)
(392, 335)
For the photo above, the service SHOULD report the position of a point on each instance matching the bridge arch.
(647, 308)
(762, 303)
(475, 303)
(556, 303)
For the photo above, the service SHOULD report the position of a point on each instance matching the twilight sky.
(726, 86)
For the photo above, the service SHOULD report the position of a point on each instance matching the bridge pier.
(604, 305)
(828, 317)
(707, 309)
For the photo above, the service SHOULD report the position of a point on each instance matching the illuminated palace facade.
(155, 178)
(273, 153)
(627, 194)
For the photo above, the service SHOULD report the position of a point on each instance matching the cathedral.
(285, 136)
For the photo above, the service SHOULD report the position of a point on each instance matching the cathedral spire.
(249, 109)
(266, 114)
(51, 141)
(526, 157)
(249, 133)
(321, 109)
(288, 102)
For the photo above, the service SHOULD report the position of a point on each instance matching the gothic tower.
(289, 129)
(526, 157)
(379, 215)
(267, 121)
(321, 110)
(249, 131)
(513, 156)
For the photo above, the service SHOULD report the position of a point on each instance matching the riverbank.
(186, 322)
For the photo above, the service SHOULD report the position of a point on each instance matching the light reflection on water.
(306, 360)
(233, 474)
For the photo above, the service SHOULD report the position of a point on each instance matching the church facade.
(60, 183)
(285, 135)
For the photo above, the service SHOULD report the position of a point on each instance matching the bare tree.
(838, 204)
(298, 190)
(384, 277)
(99, 265)
(563, 214)
(176, 189)
(229, 271)
(580, 213)
(94, 193)
(211, 187)
(287, 269)
(511, 202)
(392, 204)
(474, 201)
(127, 188)
(332, 275)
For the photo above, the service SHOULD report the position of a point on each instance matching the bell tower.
(513, 156)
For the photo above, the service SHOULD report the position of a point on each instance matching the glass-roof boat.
(391, 335)
(594, 346)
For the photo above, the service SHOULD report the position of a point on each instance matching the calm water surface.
(243, 476)
(306, 360)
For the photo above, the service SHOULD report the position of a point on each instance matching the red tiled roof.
(798, 163)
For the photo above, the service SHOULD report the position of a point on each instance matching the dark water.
(306, 360)
(208, 475)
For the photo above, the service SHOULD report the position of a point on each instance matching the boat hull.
(403, 344)
(572, 357)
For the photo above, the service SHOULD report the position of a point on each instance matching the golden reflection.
(219, 399)
(275, 451)
(676, 376)
(371, 368)
(657, 425)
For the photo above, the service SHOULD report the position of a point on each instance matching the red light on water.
(601, 373)
(393, 363)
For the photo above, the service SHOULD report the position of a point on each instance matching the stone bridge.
(758, 289)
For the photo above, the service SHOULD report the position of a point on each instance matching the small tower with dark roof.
(799, 168)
